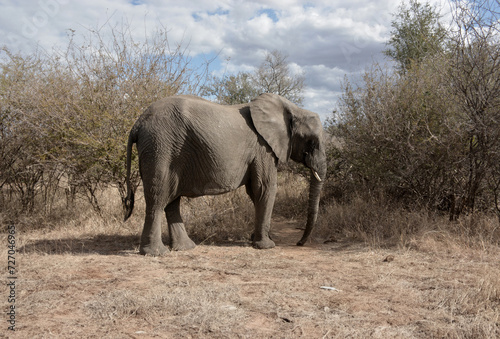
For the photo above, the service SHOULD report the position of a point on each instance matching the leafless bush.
(429, 137)
(67, 113)
(399, 134)
(475, 80)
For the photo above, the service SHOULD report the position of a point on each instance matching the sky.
(325, 39)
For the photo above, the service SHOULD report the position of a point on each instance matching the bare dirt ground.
(99, 287)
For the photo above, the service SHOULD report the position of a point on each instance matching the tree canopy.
(416, 33)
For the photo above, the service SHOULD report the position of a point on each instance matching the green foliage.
(233, 89)
(416, 34)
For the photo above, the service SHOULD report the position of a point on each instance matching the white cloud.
(322, 101)
(325, 38)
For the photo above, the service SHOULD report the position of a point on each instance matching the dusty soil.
(99, 287)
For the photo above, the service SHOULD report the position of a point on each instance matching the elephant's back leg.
(154, 165)
(157, 194)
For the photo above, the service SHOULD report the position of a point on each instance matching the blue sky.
(325, 39)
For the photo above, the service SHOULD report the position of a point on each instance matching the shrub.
(65, 116)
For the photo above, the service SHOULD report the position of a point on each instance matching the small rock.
(229, 307)
(329, 288)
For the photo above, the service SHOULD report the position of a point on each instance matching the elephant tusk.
(316, 175)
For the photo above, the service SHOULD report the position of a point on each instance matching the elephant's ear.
(272, 121)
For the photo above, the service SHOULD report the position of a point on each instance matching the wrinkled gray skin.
(191, 147)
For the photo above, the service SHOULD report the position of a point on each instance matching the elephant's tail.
(129, 200)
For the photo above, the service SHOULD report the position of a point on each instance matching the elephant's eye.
(311, 146)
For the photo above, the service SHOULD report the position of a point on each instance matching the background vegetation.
(65, 115)
(409, 142)
(425, 134)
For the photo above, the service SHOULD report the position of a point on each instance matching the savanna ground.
(80, 275)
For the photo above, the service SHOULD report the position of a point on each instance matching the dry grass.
(236, 291)
(220, 218)
(379, 223)
(399, 274)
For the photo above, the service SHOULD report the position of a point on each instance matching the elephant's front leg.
(179, 240)
(263, 197)
(151, 242)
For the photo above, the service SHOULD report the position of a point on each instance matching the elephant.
(189, 146)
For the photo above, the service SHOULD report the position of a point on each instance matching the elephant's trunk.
(313, 206)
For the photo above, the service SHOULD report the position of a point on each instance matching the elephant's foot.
(252, 237)
(153, 250)
(264, 244)
(183, 245)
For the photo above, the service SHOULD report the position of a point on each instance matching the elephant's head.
(297, 134)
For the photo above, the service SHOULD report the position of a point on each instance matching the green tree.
(416, 33)
(233, 89)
